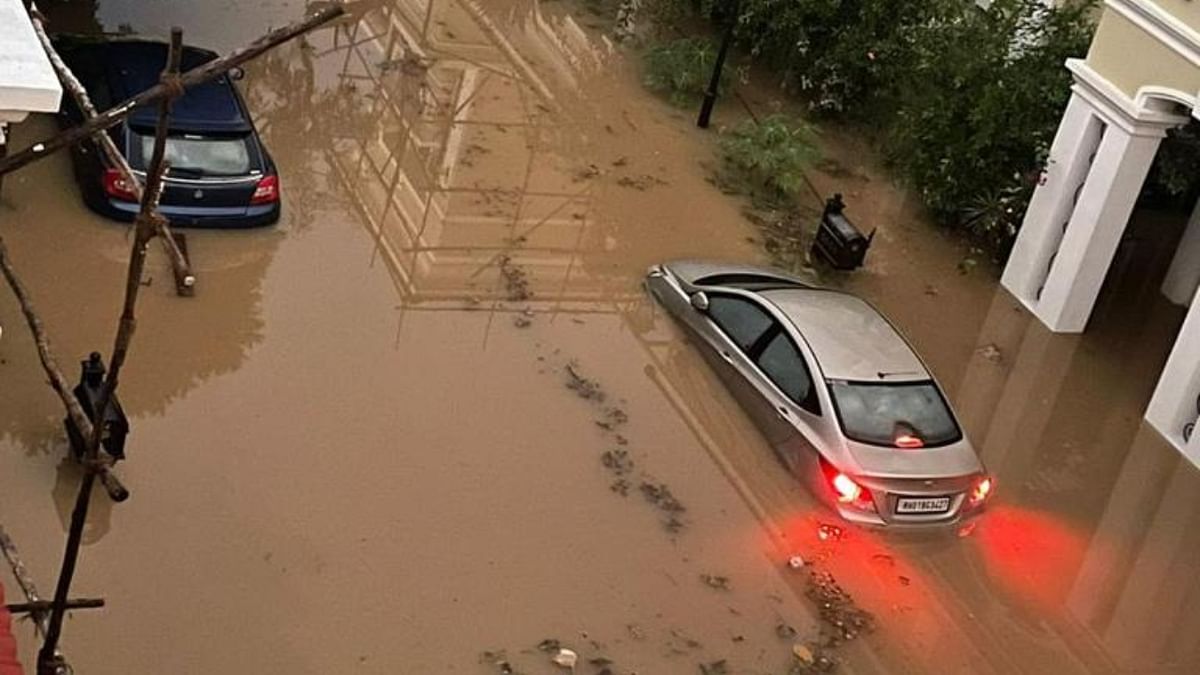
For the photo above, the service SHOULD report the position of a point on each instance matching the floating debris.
(516, 280)
(715, 668)
(584, 387)
(617, 461)
(499, 660)
(837, 609)
(549, 645)
(795, 562)
(565, 658)
(990, 352)
(827, 532)
(715, 581)
(641, 183)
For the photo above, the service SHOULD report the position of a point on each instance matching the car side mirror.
(700, 301)
(236, 73)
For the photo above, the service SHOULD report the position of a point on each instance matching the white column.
(1175, 398)
(1053, 200)
(1183, 277)
(1097, 222)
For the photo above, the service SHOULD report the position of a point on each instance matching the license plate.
(923, 505)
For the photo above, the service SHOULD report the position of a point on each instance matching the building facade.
(1141, 78)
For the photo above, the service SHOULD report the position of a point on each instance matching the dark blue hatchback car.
(220, 173)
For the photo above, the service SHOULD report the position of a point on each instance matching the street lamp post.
(710, 95)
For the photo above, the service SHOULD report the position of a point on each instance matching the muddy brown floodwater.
(431, 424)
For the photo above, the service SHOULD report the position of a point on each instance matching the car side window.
(743, 321)
(784, 365)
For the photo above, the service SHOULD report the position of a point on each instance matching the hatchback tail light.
(267, 190)
(117, 187)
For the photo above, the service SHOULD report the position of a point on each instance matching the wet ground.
(431, 421)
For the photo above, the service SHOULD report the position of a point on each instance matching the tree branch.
(198, 75)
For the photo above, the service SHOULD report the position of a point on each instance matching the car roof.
(135, 65)
(849, 338)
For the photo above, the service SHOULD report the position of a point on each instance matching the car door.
(787, 384)
(742, 328)
(734, 320)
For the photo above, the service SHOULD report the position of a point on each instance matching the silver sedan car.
(839, 394)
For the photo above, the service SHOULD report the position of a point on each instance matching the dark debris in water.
(516, 279)
(715, 581)
(585, 387)
(837, 609)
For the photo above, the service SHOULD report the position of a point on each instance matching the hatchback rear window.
(200, 155)
(878, 414)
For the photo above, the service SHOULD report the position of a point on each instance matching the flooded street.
(431, 422)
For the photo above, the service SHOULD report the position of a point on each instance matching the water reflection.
(445, 141)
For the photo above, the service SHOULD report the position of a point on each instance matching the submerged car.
(220, 174)
(836, 390)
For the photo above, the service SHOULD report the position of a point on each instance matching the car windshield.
(203, 156)
(878, 414)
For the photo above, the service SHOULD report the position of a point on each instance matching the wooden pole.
(40, 606)
(72, 84)
(144, 229)
(54, 375)
(29, 588)
(198, 75)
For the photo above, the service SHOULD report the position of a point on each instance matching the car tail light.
(981, 491)
(267, 190)
(847, 490)
(117, 187)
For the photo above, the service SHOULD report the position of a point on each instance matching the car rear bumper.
(189, 216)
(886, 494)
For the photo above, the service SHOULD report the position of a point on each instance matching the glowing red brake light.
(981, 491)
(267, 190)
(117, 187)
(848, 491)
(908, 441)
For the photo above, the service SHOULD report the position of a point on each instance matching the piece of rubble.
(565, 658)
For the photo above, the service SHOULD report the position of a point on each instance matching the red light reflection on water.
(1031, 554)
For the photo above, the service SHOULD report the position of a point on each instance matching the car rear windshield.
(199, 155)
(876, 413)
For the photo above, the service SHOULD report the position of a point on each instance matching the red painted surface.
(8, 645)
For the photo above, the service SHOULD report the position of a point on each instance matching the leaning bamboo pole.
(179, 263)
(144, 228)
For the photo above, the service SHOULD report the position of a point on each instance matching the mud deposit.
(432, 424)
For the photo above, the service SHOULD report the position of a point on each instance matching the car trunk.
(954, 459)
(206, 172)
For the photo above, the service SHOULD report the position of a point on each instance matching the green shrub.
(680, 69)
(771, 154)
(842, 55)
(979, 108)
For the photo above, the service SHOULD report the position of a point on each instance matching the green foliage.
(843, 55)
(772, 154)
(680, 69)
(965, 100)
(978, 109)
